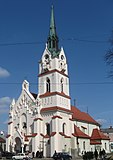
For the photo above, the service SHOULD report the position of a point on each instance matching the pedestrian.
(100, 154)
(96, 154)
(33, 154)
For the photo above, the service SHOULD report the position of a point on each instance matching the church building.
(46, 121)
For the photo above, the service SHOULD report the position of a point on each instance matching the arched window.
(48, 129)
(48, 85)
(62, 87)
(64, 128)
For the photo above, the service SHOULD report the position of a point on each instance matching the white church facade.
(46, 121)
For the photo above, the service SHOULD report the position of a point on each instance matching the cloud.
(101, 121)
(4, 73)
(4, 102)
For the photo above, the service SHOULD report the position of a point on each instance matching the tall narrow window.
(48, 85)
(62, 87)
(48, 129)
(84, 147)
(105, 146)
(64, 128)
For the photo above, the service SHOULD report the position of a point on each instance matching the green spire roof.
(52, 23)
(52, 42)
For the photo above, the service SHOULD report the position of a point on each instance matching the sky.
(84, 28)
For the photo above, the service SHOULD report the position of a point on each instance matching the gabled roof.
(98, 135)
(79, 133)
(82, 116)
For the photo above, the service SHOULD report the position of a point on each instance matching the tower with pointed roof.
(53, 72)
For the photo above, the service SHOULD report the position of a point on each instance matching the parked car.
(7, 155)
(20, 156)
(62, 156)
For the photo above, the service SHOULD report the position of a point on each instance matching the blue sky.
(83, 28)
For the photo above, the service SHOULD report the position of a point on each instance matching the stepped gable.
(98, 135)
(79, 133)
(82, 116)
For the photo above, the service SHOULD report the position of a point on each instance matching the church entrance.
(18, 147)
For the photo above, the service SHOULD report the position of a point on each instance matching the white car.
(21, 156)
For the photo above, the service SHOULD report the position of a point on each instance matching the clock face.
(62, 57)
(46, 56)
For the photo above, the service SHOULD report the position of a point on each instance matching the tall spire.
(52, 41)
(52, 23)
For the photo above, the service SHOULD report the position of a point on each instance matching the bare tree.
(109, 57)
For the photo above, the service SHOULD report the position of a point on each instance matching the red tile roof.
(94, 142)
(79, 133)
(98, 135)
(47, 94)
(52, 71)
(52, 134)
(82, 116)
(2, 140)
(45, 136)
(55, 108)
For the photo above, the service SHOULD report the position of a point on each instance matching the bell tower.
(53, 76)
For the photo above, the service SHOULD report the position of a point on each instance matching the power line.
(85, 40)
(41, 42)
(79, 83)
(20, 43)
